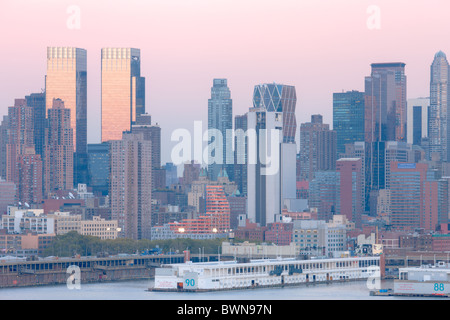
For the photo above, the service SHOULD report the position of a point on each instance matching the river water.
(137, 290)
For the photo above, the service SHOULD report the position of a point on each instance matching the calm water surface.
(137, 290)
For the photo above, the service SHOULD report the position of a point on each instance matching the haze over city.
(320, 47)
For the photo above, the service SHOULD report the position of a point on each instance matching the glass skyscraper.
(99, 167)
(67, 80)
(278, 98)
(220, 117)
(385, 119)
(438, 120)
(348, 118)
(37, 102)
(123, 91)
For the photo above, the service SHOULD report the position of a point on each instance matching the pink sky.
(319, 46)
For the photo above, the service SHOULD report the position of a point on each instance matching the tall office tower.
(351, 189)
(66, 79)
(30, 177)
(386, 119)
(37, 102)
(409, 197)
(240, 154)
(264, 184)
(58, 149)
(3, 142)
(317, 148)
(386, 113)
(123, 91)
(323, 194)
(220, 119)
(348, 118)
(282, 98)
(271, 151)
(414, 105)
(98, 167)
(396, 151)
(438, 119)
(217, 209)
(20, 136)
(278, 98)
(152, 133)
(417, 125)
(131, 185)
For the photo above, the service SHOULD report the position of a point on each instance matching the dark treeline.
(73, 243)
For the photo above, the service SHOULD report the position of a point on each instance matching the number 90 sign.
(189, 282)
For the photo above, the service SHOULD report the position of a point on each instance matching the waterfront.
(137, 290)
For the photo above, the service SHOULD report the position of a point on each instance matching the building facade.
(58, 149)
(220, 120)
(348, 118)
(66, 79)
(438, 119)
(317, 148)
(130, 185)
(123, 91)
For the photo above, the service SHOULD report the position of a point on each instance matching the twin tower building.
(122, 94)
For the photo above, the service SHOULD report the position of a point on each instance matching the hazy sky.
(319, 46)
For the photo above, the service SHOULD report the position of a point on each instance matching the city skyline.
(174, 66)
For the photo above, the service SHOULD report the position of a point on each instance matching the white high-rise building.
(272, 151)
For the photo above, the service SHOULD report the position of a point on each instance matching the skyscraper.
(407, 190)
(317, 147)
(271, 152)
(58, 149)
(20, 136)
(240, 155)
(151, 133)
(323, 194)
(438, 119)
(123, 91)
(413, 117)
(386, 113)
(30, 173)
(278, 98)
(263, 171)
(37, 102)
(351, 189)
(386, 120)
(220, 118)
(131, 185)
(3, 142)
(99, 167)
(67, 80)
(348, 118)
(396, 151)
(417, 125)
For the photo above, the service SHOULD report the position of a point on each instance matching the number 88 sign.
(438, 287)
